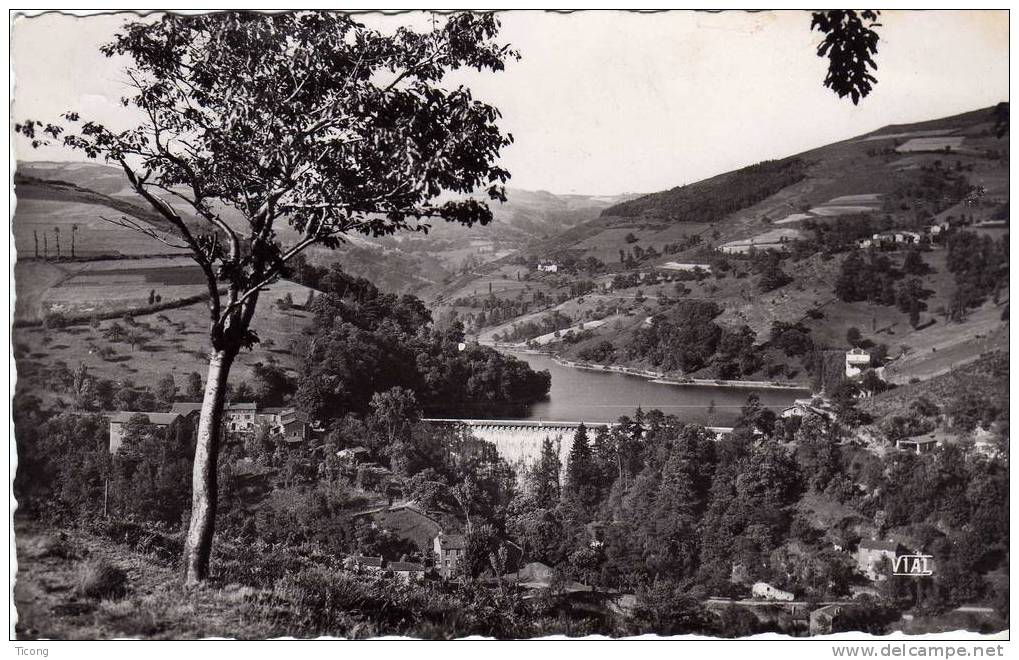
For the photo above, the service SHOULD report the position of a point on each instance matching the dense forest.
(363, 341)
(711, 200)
(671, 506)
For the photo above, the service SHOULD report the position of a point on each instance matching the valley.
(675, 415)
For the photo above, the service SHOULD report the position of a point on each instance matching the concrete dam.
(519, 441)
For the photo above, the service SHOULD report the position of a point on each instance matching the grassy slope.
(154, 606)
(985, 377)
(177, 352)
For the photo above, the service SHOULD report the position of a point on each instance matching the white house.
(768, 592)
(449, 550)
(873, 556)
(816, 406)
(240, 416)
(857, 361)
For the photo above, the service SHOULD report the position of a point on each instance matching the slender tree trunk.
(198, 545)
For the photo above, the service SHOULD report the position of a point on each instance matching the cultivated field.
(95, 236)
(930, 144)
(124, 285)
(101, 287)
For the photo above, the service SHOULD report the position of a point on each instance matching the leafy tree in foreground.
(309, 120)
(849, 42)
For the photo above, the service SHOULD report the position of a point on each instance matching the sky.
(605, 103)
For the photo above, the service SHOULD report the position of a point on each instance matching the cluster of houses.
(286, 423)
(448, 556)
(890, 240)
(548, 267)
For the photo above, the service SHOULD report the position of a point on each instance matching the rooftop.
(158, 418)
(875, 544)
(451, 541)
(186, 407)
(405, 566)
(242, 406)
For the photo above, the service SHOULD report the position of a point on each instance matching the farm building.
(293, 425)
(119, 421)
(857, 361)
(674, 265)
(406, 571)
(919, 444)
(872, 556)
(548, 267)
(186, 407)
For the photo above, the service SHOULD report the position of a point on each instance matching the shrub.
(100, 579)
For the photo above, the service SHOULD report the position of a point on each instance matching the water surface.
(597, 396)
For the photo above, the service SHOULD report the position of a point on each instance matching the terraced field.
(75, 288)
(46, 223)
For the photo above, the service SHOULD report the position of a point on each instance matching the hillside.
(622, 261)
(56, 199)
(650, 256)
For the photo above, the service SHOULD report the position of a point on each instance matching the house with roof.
(449, 553)
(186, 407)
(239, 417)
(814, 407)
(406, 571)
(293, 425)
(548, 266)
(857, 361)
(119, 420)
(765, 591)
(366, 564)
(874, 557)
(270, 415)
(920, 444)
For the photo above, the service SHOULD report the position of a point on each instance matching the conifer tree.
(545, 476)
